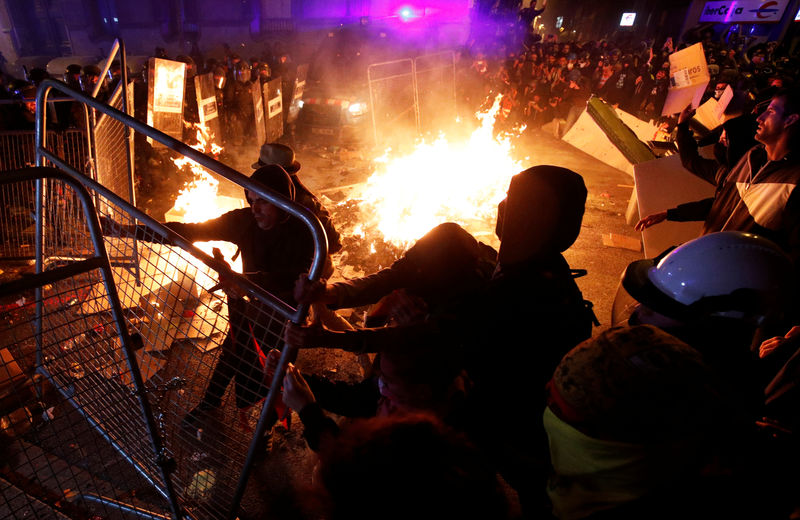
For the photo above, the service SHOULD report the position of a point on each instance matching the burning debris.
(199, 199)
(408, 195)
(447, 179)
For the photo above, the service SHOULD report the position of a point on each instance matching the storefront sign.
(749, 11)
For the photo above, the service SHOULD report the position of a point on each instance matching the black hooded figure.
(533, 313)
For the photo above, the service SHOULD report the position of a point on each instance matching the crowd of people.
(487, 376)
(485, 362)
(546, 79)
(157, 180)
(232, 75)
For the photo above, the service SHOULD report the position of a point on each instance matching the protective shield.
(274, 109)
(165, 87)
(207, 104)
(297, 93)
(258, 112)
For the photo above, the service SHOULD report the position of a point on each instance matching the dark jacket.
(273, 258)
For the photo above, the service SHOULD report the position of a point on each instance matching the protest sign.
(688, 79)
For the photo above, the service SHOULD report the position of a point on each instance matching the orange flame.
(438, 182)
(199, 201)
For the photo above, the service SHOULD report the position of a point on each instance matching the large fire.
(404, 198)
(199, 201)
(440, 181)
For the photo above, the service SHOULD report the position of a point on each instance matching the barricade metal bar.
(116, 310)
(372, 109)
(17, 101)
(115, 48)
(159, 242)
(415, 83)
(308, 218)
(51, 276)
(288, 354)
(123, 506)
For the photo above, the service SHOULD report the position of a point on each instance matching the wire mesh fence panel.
(17, 223)
(17, 150)
(202, 357)
(68, 402)
(436, 92)
(75, 149)
(199, 354)
(78, 428)
(111, 150)
(394, 105)
(64, 224)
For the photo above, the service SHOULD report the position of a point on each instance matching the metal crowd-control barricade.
(435, 80)
(120, 359)
(18, 150)
(393, 101)
(410, 97)
(112, 141)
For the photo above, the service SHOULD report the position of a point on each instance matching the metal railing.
(393, 100)
(409, 97)
(57, 356)
(158, 342)
(435, 81)
(18, 150)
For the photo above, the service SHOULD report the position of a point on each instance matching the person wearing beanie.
(275, 250)
(639, 426)
(630, 414)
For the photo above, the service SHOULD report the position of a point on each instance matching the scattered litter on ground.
(622, 241)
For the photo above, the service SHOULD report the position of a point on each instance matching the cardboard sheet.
(688, 79)
(662, 184)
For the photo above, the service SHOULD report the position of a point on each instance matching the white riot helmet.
(728, 274)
